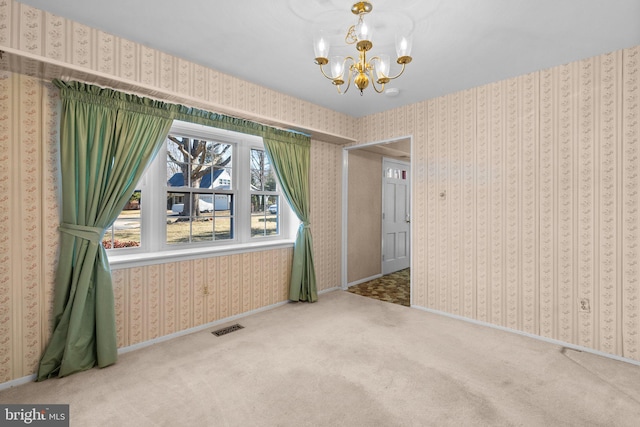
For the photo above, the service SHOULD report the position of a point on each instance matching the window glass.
(265, 218)
(206, 186)
(125, 232)
(198, 167)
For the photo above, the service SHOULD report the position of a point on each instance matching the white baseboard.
(17, 382)
(30, 378)
(198, 328)
(530, 335)
(366, 279)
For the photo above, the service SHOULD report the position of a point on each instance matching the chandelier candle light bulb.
(360, 35)
(321, 46)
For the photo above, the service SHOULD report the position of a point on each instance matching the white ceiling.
(457, 44)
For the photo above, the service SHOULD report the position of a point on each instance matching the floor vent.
(227, 330)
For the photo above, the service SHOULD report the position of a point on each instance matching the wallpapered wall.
(364, 216)
(541, 174)
(154, 300)
(151, 301)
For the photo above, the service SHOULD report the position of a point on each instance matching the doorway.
(362, 209)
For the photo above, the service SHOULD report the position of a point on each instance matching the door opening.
(362, 206)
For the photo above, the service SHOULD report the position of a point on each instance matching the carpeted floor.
(394, 287)
(347, 361)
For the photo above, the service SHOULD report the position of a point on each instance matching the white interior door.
(395, 215)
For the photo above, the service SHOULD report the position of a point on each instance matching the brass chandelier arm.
(348, 58)
(373, 83)
(323, 73)
(342, 92)
(386, 79)
(399, 74)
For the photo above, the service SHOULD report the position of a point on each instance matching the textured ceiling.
(457, 44)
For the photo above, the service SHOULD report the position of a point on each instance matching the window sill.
(129, 260)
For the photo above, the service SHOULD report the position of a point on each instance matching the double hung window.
(206, 188)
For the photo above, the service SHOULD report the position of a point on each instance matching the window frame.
(154, 189)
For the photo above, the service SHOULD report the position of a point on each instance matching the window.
(207, 188)
(264, 197)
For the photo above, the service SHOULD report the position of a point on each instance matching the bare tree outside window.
(265, 216)
(195, 159)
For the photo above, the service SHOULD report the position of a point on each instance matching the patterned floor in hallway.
(392, 288)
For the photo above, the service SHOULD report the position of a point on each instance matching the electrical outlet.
(206, 290)
(584, 305)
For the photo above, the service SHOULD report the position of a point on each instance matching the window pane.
(197, 163)
(262, 175)
(221, 178)
(264, 215)
(223, 228)
(270, 179)
(202, 228)
(199, 217)
(223, 216)
(272, 216)
(178, 217)
(177, 174)
(125, 231)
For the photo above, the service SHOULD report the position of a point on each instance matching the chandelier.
(361, 70)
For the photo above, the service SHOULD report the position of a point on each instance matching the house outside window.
(207, 189)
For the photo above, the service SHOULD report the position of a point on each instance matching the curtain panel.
(107, 139)
(291, 163)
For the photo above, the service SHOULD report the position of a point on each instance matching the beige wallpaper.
(155, 300)
(326, 212)
(364, 240)
(28, 220)
(120, 63)
(542, 209)
(151, 301)
(162, 299)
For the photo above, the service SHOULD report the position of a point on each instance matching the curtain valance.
(109, 97)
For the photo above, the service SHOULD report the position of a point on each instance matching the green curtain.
(291, 160)
(289, 152)
(107, 138)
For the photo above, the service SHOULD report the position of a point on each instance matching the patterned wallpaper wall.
(151, 301)
(28, 220)
(155, 300)
(541, 174)
(126, 64)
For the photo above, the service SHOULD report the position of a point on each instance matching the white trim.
(345, 217)
(530, 335)
(163, 338)
(54, 68)
(123, 350)
(154, 247)
(17, 382)
(345, 203)
(335, 288)
(366, 279)
(128, 260)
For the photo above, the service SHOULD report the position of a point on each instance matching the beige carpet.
(349, 361)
